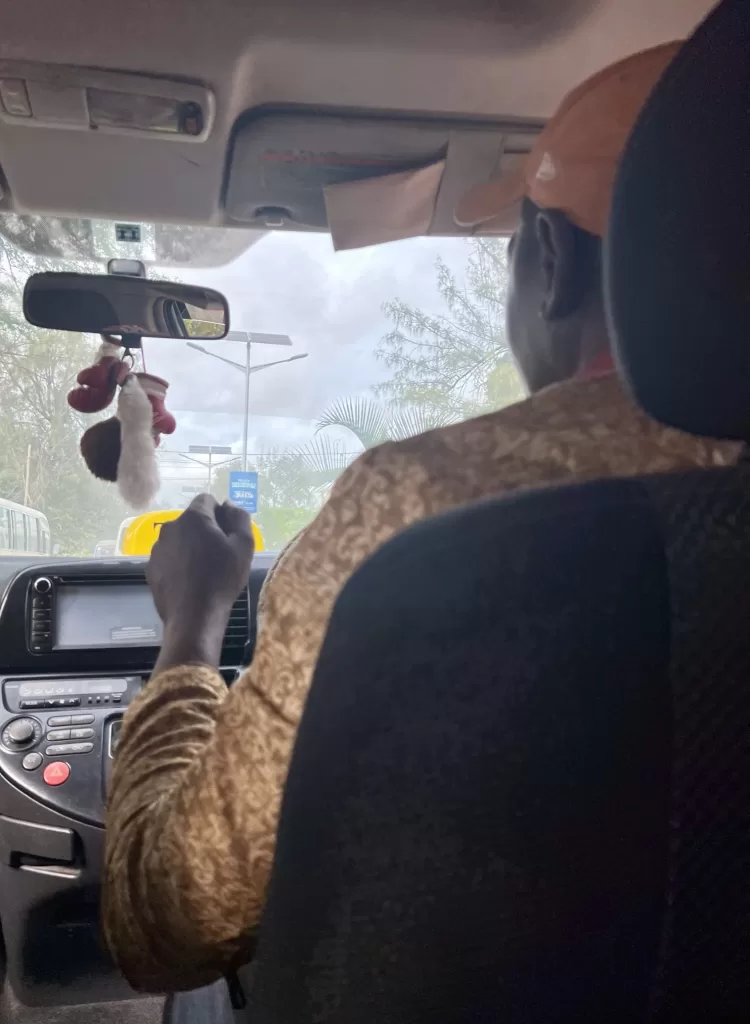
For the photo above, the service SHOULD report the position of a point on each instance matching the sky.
(328, 303)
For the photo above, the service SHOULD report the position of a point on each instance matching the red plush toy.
(123, 448)
(98, 383)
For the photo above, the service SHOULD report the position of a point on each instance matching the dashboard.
(78, 641)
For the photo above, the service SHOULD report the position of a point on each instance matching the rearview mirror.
(115, 304)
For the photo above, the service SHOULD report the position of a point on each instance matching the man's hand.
(197, 569)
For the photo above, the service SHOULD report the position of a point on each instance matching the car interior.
(246, 121)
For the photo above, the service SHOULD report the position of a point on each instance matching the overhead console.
(170, 153)
(78, 642)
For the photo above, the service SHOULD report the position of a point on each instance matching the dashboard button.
(58, 749)
(59, 720)
(32, 761)
(76, 720)
(56, 773)
(28, 705)
(59, 734)
(21, 731)
(76, 734)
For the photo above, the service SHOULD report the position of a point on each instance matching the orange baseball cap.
(573, 162)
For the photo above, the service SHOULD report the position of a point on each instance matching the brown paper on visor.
(383, 209)
(573, 162)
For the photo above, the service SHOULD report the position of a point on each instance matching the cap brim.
(492, 201)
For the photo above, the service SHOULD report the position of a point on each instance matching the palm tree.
(371, 423)
(374, 422)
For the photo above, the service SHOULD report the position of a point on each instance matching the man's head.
(555, 318)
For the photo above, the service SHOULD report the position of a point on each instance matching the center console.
(78, 641)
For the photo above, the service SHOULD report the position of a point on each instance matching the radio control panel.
(35, 694)
(58, 736)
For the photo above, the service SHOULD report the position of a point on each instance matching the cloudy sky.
(328, 303)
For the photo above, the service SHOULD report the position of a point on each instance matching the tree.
(45, 237)
(444, 367)
(40, 461)
(373, 422)
(457, 362)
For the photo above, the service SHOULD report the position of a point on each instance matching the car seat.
(521, 786)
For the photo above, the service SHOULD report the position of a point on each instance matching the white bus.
(23, 531)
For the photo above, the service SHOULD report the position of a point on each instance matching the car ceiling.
(495, 59)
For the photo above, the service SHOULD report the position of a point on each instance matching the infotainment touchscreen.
(106, 615)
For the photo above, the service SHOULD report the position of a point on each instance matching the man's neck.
(600, 365)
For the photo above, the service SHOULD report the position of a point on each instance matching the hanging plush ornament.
(122, 449)
(97, 384)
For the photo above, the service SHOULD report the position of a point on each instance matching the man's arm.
(172, 786)
(193, 808)
(199, 772)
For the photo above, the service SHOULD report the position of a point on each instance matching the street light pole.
(247, 369)
(247, 405)
(210, 450)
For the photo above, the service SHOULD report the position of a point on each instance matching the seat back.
(520, 788)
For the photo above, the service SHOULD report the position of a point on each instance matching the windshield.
(345, 350)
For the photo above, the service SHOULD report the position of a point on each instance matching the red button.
(56, 773)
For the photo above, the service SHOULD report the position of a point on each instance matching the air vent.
(236, 635)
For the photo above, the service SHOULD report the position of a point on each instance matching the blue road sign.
(243, 490)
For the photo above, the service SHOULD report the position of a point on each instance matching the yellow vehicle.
(138, 534)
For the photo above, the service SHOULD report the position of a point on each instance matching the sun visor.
(366, 179)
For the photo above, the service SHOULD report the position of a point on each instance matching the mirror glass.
(116, 304)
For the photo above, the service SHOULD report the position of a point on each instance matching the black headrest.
(677, 257)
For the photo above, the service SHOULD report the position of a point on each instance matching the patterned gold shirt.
(199, 772)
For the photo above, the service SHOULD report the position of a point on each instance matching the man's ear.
(561, 281)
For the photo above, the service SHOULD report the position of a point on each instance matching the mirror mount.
(126, 268)
(131, 341)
